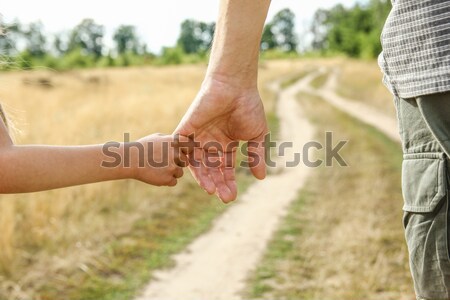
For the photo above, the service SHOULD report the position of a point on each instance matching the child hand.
(161, 162)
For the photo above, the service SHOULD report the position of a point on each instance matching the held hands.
(220, 117)
(159, 160)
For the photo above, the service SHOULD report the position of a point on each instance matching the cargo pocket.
(423, 181)
(426, 223)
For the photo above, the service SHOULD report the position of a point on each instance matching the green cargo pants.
(424, 125)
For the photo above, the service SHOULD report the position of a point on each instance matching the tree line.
(28, 45)
(353, 31)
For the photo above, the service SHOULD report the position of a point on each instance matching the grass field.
(101, 241)
(343, 236)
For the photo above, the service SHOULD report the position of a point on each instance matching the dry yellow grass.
(362, 81)
(46, 235)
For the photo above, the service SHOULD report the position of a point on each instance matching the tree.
(319, 29)
(268, 41)
(126, 39)
(354, 31)
(172, 56)
(195, 37)
(208, 30)
(88, 37)
(283, 28)
(60, 43)
(35, 39)
(9, 35)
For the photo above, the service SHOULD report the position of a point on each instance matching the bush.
(24, 60)
(172, 56)
(106, 61)
(279, 54)
(50, 61)
(76, 58)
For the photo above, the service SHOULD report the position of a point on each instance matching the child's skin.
(32, 168)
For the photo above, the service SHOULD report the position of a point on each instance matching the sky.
(157, 22)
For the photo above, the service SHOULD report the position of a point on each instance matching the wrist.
(226, 83)
(135, 159)
(121, 160)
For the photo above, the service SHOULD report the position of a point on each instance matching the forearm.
(235, 50)
(37, 168)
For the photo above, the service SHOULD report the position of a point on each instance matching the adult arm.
(228, 107)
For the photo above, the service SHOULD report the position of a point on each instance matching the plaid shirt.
(416, 48)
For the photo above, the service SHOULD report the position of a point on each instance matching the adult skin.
(228, 108)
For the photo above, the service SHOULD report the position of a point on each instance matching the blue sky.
(157, 22)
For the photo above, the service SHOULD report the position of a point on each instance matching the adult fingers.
(230, 181)
(256, 157)
(200, 172)
(229, 171)
(222, 190)
(214, 159)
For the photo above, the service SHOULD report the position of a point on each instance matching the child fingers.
(181, 159)
(172, 182)
(178, 173)
(185, 144)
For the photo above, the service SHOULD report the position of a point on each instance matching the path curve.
(357, 109)
(216, 264)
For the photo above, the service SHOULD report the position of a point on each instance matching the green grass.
(342, 237)
(280, 247)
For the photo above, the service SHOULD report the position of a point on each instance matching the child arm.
(32, 168)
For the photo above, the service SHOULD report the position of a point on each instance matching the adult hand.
(224, 114)
(228, 108)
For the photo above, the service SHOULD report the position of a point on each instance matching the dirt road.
(216, 264)
(365, 113)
